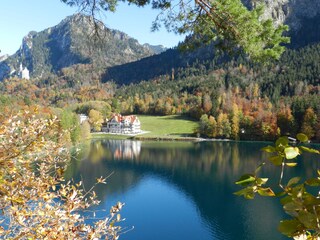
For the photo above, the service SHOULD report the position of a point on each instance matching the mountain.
(4, 57)
(166, 63)
(75, 40)
(155, 48)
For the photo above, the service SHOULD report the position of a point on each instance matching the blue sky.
(18, 17)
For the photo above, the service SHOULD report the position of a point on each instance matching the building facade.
(123, 124)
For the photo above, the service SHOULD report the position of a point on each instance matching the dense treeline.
(233, 112)
(296, 68)
(232, 99)
(237, 99)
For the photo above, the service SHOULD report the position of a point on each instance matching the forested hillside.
(296, 67)
(232, 99)
(232, 96)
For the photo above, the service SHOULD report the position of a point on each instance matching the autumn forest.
(231, 98)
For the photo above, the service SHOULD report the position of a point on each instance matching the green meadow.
(174, 126)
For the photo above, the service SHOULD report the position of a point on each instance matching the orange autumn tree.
(35, 200)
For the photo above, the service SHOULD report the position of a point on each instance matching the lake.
(183, 190)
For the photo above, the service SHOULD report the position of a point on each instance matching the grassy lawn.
(167, 126)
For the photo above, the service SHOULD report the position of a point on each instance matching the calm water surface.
(182, 190)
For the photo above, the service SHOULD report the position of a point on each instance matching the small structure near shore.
(83, 118)
(123, 124)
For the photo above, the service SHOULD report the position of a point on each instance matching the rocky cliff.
(302, 16)
(77, 39)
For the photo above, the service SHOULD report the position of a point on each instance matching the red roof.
(119, 118)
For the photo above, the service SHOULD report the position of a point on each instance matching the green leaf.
(286, 200)
(259, 168)
(289, 227)
(247, 193)
(311, 201)
(282, 141)
(293, 181)
(241, 192)
(298, 190)
(276, 160)
(308, 219)
(291, 152)
(261, 181)
(267, 192)
(291, 164)
(292, 208)
(313, 182)
(302, 137)
(246, 179)
(310, 150)
(269, 149)
(281, 194)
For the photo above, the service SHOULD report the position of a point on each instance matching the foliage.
(69, 121)
(85, 131)
(96, 120)
(270, 100)
(291, 75)
(298, 196)
(101, 106)
(309, 123)
(35, 201)
(235, 89)
(235, 25)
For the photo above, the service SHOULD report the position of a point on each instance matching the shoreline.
(104, 135)
(139, 137)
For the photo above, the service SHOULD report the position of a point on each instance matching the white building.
(24, 72)
(83, 118)
(123, 124)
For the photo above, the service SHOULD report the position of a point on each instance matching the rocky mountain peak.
(290, 12)
(3, 57)
(75, 40)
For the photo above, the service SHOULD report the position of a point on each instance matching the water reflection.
(182, 184)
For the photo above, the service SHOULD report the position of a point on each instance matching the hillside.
(167, 63)
(75, 40)
(297, 68)
(302, 17)
(230, 95)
